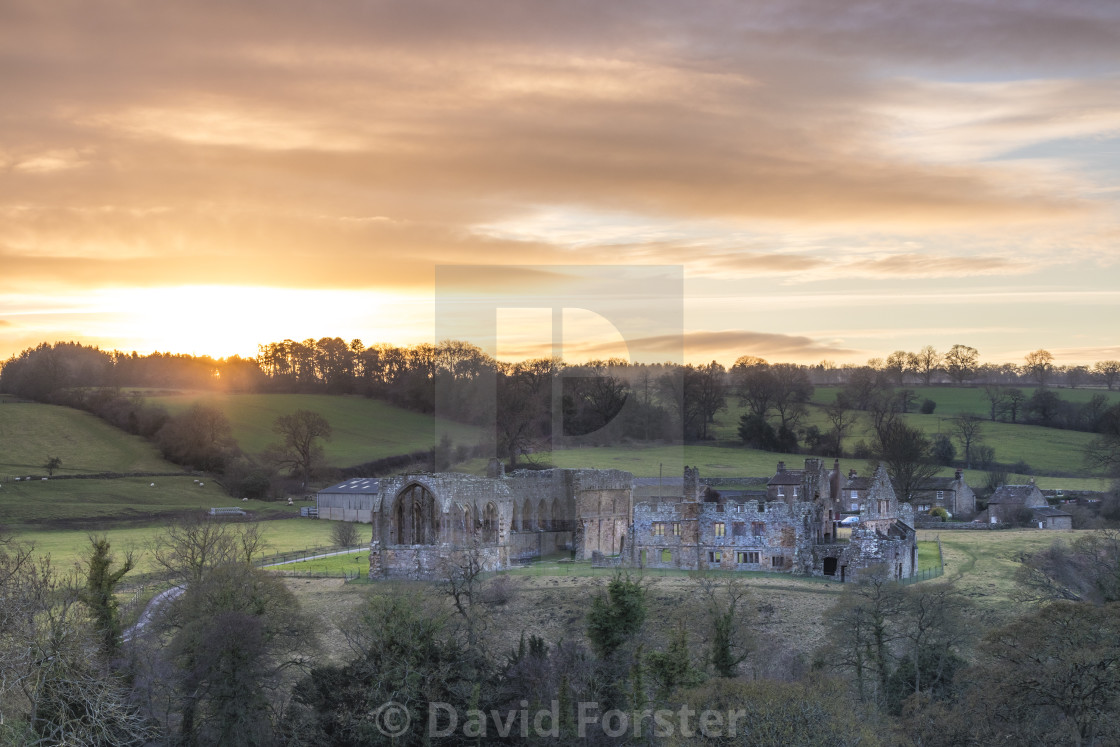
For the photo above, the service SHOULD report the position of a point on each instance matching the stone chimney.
(957, 475)
(852, 474)
(691, 483)
(781, 467)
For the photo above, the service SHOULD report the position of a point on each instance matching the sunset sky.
(837, 180)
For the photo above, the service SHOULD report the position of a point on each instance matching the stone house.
(950, 493)
(1008, 502)
(853, 493)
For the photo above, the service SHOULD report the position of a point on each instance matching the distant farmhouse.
(614, 519)
(1012, 504)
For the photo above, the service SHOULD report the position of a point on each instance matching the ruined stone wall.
(427, 562)
(526, 545)
(751, 535)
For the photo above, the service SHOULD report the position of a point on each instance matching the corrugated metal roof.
(364, 485)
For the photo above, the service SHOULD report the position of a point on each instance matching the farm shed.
(351, 500)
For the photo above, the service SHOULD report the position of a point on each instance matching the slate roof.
(1012, 494)
(858, 483)
(789, 477)
(938, 483)
(1049, 511)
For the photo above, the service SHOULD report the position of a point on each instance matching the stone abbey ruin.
(612, 518)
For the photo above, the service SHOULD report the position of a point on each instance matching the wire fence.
(303, 554)
(928, 573)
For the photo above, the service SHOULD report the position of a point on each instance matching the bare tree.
(1086, 570)
(1109, 371)
(961, 362)
(301, 449)
(462, 573)
(926, 362)
(344, 533)
(967, 427)
(997, 397)
(865, 633)
(1039, 365)
(730, 641)
(906, 454)
(190, 549)
(53, 675)
(843, 420)
(1103, 451)
(52, 464)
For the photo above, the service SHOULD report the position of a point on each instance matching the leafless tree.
(189, 549)
(843, 420)
(53, 676)
(1086, 570)
(967, 428)
(344, 533)
(730, 640)
(300, 449)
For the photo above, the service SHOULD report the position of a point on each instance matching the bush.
(943, 450)
(499, 591)
(344, 533)
(927, 406)
(939, 512)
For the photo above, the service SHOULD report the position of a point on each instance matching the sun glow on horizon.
(223, 320)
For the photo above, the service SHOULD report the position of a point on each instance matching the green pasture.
(1045, 450)
(335, 565)
(67, 547)
(103, 503)
(735, 461)
(30, 432)
(363, 429)
(956, 400)
(983, 563)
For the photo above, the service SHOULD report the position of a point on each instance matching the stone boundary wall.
(101, 476)
(958, 526)
(743, 482)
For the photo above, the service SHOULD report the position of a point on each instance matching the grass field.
(30, 432)
(363, 429)
(66, 547)
(335, 565)
(983, 563)
(736, 461)
(953, 400)
(1048, 451)
(97, 503)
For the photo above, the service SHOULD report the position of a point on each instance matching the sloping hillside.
(364, 429)
(30, 432)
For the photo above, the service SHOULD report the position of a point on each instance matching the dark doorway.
(830, 566)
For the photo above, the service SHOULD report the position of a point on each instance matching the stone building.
(1008, 503)
(1020, 504)
(793, 530)
(420, 520)
(950, 493)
